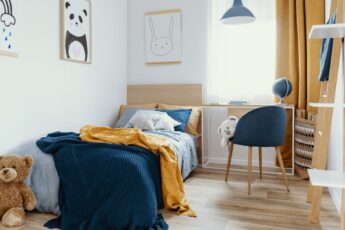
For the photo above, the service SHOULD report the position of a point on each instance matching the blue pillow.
(180, 115)
(127, 115)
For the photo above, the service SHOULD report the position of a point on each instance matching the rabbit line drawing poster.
(163, 37)
(8, 26)
(76, 30)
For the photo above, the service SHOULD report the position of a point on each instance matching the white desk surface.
(288, 106)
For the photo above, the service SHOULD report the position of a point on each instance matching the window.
(242, 57)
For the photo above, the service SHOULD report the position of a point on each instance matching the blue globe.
(282, 88)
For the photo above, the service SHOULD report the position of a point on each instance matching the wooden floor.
(226, 206)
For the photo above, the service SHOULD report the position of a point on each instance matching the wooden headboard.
(174, 94)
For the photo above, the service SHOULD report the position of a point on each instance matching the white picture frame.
(163, 32)
(8, 28)
(76, 24)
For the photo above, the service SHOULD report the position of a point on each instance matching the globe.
(282, 88)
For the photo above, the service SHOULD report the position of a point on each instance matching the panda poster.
(8, 26)
(163, 37)
(76, 30)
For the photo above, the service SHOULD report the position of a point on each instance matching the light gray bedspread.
(44, 180)
(184, 147)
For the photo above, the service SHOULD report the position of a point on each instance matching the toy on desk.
(227, 130)
(238, 102)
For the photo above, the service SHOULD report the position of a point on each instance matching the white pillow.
(165, 123)
(152, 120)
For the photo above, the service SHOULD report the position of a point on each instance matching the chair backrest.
(264, 126)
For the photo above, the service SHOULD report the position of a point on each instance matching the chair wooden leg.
(260, 162)
(316, 205)
(231, 149)
(250, 151)
(280, 159)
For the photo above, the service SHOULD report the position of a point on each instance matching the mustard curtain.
(298, 57)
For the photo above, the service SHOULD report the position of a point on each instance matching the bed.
(45, 182)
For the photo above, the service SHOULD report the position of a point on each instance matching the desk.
(213, 156)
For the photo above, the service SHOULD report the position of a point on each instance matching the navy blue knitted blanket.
(105, 186)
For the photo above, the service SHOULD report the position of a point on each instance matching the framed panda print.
(76, 30)
(8, 28)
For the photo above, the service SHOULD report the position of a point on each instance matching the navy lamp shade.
(238, 14)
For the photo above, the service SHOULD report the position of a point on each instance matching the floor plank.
(227, 206)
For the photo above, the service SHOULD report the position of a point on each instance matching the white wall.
(193, 68)
(336, 145)
(40, 93)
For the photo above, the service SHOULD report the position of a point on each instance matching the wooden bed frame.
(173, 94)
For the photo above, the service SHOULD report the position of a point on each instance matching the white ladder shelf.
(325, 178)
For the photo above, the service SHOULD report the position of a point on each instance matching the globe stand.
(282, 101)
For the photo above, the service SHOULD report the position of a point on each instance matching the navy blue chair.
(261, 127)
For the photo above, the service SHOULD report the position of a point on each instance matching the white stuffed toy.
(227, 130)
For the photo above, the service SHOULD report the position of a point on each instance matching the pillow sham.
(180, 115)
(152, 120)
(194, 119)
(143, 106)
(127, 115)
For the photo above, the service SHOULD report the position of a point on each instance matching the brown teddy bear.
(15, 195)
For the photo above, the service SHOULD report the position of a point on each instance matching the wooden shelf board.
(327, 31)
(325, 105)
(324, 178)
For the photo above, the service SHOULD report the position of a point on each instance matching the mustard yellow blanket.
(172, 184)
